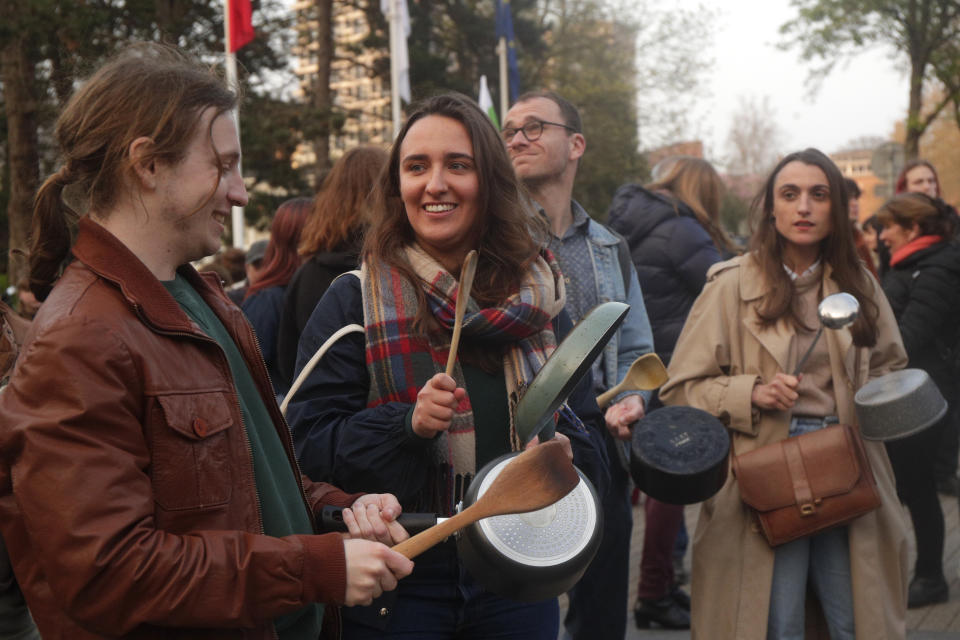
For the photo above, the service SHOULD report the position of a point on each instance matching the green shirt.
(281, 506)
(491, 417)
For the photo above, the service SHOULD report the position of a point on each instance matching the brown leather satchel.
(807, 483)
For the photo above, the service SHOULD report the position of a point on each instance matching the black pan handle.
(331, 519)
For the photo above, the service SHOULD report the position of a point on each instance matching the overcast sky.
(863, 97)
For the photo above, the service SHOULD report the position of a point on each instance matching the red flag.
(241, 23)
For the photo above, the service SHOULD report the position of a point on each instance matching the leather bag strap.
(798, 476)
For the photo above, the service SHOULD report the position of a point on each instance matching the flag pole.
(504, 93)
(230, 66)
(395, 27)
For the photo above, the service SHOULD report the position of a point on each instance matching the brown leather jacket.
(127, 497)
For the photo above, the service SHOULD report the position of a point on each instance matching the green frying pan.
(564, 368)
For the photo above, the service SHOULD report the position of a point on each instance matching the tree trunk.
(322, 98)
(914, 116)
(19, 90)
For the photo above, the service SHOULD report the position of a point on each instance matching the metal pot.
(532, 556)
(528, 557)
(898, 405)
(679, 455)
(537, 555)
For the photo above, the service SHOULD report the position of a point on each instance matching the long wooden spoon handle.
(454, 343)
(463, 295)
(415, 545)
(604, 398)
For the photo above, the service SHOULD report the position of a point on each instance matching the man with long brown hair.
(148, 486)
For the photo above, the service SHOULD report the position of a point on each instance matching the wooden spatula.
(536, 478)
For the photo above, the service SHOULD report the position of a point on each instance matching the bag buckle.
(810, 508)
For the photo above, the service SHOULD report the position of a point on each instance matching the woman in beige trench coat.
(734, 364)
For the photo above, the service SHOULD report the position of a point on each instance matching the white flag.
(486, 102)
(400, 55)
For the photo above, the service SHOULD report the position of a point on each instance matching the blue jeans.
(824, 559)
(441, 601)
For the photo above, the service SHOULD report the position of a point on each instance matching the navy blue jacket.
(337, 436)
(671, 252)
(263, 311)
(924, 293)
(304, 291)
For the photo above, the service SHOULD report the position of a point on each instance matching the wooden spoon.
(463, 295)
(538, 477)
(647, 372)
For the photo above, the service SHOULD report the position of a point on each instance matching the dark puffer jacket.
(303, 293)
(924, 292)
(672, 253)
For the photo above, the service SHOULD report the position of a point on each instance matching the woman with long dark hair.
(329, 245)
(674, 233)
(734, 359)
(923, 287)
(264, 298)
(379, 409)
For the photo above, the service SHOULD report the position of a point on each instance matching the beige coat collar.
(777, 340)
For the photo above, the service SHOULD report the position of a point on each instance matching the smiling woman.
(383, 413)
(438, 186)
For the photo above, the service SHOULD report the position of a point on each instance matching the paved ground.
(937, 622)
(658, 634)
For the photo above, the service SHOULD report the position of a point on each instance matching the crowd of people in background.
(175, 405)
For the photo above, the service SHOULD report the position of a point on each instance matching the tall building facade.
(361, 98)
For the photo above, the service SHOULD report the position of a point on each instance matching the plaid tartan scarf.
(401, 361)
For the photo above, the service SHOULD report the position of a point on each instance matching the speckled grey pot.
(898, 405)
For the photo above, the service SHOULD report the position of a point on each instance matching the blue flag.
(505, 31)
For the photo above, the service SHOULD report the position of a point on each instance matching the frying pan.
(541, 554)
(563, 370)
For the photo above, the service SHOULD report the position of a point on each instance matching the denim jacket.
(634, 337)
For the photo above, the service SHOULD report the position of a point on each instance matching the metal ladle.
(835, 312)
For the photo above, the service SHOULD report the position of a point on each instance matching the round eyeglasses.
(531, 130)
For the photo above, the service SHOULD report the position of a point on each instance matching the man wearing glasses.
(543, 134)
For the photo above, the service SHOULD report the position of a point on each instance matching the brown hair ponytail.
(50, 236)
